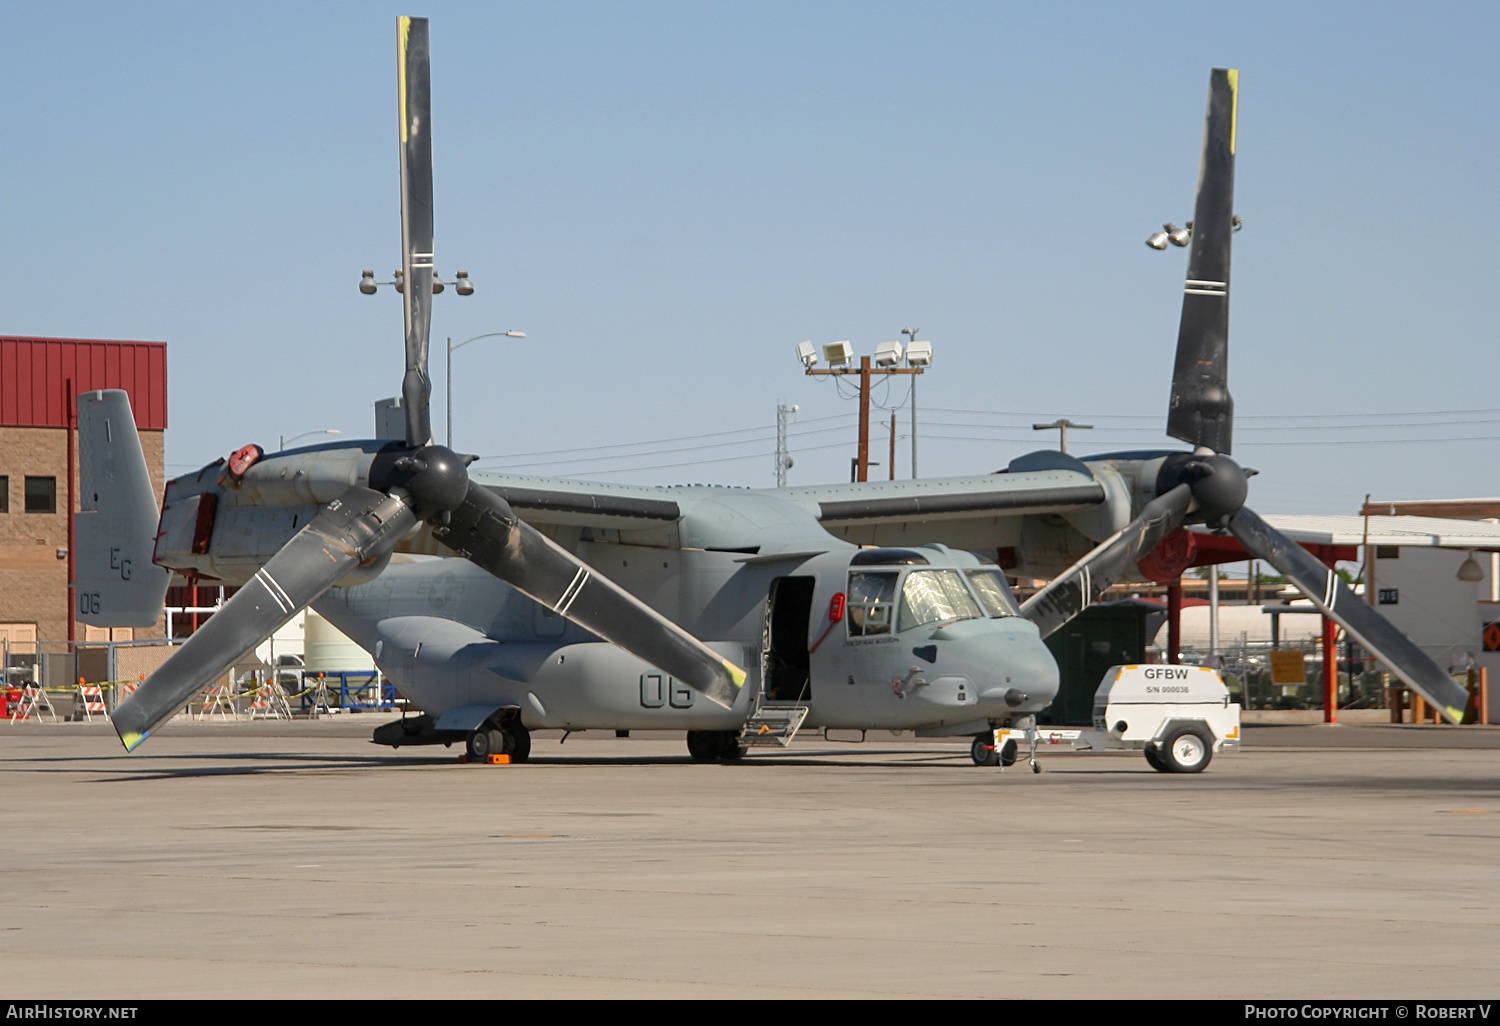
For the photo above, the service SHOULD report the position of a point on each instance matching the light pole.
(840, 355)
(918, 354)
(451, 347)
(282, 439)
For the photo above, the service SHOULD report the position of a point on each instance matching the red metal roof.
(34, 375)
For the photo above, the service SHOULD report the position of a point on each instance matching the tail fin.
(114, 532)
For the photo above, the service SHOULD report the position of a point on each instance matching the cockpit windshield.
(872, 597)
(932, 595)
(993, 592)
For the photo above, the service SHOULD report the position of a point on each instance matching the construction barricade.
(88, 700)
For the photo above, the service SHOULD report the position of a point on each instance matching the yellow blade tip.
(735, 674)
(131, 738)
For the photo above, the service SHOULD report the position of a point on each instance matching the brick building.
(40, 379)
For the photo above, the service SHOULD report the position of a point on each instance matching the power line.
(693, 463)
(658, 441)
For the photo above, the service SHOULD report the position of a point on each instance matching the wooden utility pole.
(1062, 424)
(865, 372)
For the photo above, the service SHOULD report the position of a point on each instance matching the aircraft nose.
(1014, 670)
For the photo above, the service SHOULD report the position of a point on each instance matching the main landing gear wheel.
(1186, 750)
(729, 746)
(487, 741)
(702, 746)
(714, 745)
(518, 740)
(983, 750)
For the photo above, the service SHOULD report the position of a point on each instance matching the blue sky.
(667, 197)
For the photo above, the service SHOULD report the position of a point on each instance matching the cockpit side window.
(993, 592)
(872, 598)
(932, 595)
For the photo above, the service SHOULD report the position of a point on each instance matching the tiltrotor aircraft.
(711, 610)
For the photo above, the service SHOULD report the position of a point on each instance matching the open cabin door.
(788, 618)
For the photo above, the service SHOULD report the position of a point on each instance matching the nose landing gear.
(985, 752)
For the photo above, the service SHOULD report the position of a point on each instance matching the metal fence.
(61, 667)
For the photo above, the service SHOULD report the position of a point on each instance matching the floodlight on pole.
(463, 281)
(1180, 237)
(369, 286)
(840, 355)
(888, 354)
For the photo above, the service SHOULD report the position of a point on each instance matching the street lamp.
(282, 439)
(451, 348)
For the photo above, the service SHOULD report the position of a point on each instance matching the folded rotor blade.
(358, 526)
(485, 530)
(1373, 631)
(1073, 591)
(1201, 411)
(414, 81)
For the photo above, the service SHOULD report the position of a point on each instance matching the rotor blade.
(1073, 591)
(358, 526)
(1201, 410)
(416, 222)
(1373, 631)
(485, 530)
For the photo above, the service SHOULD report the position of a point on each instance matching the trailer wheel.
(1008, 752)
(1155, 760)
(1186, 750)
(983, 750)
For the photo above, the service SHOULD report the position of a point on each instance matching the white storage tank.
(326, 649)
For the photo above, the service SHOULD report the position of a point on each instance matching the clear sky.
(667, 197)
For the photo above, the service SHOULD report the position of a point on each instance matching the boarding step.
(773, 725)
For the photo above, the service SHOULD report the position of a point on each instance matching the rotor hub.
(1218, 483)
(434, 476)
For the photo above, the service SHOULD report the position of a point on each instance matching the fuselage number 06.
(658, 690)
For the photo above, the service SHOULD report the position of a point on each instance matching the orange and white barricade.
(220, 699)
(125, 688)
(34, 702)
(88, 700)
(268, 702)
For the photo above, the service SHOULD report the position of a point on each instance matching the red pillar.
(1330, 673)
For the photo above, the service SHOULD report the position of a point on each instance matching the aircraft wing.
(975, 511)
(979, 511)
(550, 501)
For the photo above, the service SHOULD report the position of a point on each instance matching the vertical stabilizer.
(114, 531)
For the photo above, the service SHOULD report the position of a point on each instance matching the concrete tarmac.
(298, 860)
